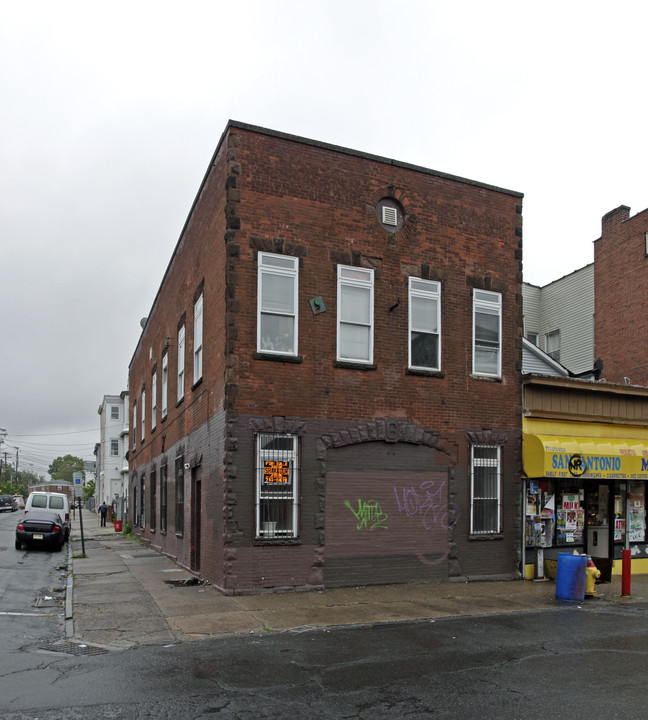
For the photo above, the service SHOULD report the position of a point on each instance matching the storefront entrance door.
(599, 535)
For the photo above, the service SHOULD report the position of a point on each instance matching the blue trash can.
(570, 577)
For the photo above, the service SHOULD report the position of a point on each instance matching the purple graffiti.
(426, 500)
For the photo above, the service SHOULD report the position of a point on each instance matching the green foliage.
(62, 468)
(17, 484)
(89, 490)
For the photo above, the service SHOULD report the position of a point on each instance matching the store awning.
(556, 456)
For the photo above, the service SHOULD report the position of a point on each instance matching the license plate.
(37, 536)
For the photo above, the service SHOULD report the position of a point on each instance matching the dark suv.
(7, 503)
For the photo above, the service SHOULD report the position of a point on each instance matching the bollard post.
(625, 573)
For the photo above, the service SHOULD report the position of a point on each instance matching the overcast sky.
(110, 112)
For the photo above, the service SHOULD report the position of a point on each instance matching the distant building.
(621, 296)
(327, 389)
(112, 462)
(559, 319)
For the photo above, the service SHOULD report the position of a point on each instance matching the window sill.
(278, 358)
(425, 373)
(354, 366)
(486, 536)
(487, 378)
(259, 542)
(196, 384)
(180, 402)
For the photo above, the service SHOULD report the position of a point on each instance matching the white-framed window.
(277, 486)
(424, 324)
(485, 492)
(153, 400)
(181, 362)
(165, 385)
(277, 304)
(134, 425)
(114, 412)
(143, 411)
(198, 339)
(114, 446)
(532, 337)
(487, 333)
(552, 344)
(355, 300)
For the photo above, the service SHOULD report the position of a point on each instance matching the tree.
(61, 468)
(89, 490)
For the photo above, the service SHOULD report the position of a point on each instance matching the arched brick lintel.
(391, 430)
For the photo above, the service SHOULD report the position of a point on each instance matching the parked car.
(6, 503)
(42, 528)
(19, 502)
(40, 499)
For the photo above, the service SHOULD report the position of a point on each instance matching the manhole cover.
(76, 649)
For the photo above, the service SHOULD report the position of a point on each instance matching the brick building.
(621, 296)
(327, 391)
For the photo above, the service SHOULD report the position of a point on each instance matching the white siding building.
(112, 464)
(559, 319)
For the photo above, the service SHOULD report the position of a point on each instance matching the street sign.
(77, 479)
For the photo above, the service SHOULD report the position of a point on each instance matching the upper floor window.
(487, 331)
(181, 362)
(552, 344)
(114, 446)
(143, 411)
(277, 304)
(198, 339)
(134, 425)
(165, 384)
(532, 337)
(485, 489)
(153, 400)
(355, 314)
(424, 324)
(114, 412)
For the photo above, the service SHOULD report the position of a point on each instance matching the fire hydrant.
(593, 573)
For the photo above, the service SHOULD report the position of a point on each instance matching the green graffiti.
(369, 515)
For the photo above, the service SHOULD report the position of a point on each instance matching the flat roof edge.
(368, 156)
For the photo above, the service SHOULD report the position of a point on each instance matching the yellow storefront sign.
(556, 456)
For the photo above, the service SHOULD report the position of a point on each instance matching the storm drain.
(50, 601)
(76, 649)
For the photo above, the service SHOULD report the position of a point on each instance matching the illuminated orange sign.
(276, 472)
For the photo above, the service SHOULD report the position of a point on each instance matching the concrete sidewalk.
(123, 594)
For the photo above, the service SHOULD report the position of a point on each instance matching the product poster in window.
(276, 473)
(637, 512)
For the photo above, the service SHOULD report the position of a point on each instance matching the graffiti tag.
(369, 514)
(426, 500)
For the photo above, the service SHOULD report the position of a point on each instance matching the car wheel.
(18, 545)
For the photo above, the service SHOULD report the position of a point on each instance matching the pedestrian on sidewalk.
(103, 510)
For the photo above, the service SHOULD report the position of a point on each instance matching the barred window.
(163, 498)
(179, 514)
(277, 486)
(485, 497)
(153, 496)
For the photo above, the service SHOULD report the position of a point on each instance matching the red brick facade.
(384, 452)
(620, 292)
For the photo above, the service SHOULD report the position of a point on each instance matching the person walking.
(103, 511)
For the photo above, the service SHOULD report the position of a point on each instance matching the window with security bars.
(153, 498)
(277, 486)
(163, 498)
(142, 517)
(485, 499)
(179, 510)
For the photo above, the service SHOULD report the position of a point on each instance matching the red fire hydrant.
(593, 574)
